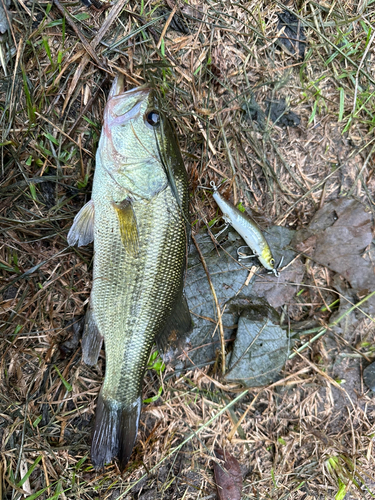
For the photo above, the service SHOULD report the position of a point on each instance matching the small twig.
(144, 23)
(18, 56)
(319, 291)
(27, 10)
(242, 418)
(327, 377)
(22, 436)
(203, 132)
(352, 347)
(112, 15)
(318, 185)
(220, 322)
(9, 21)
(286, 164)
(178, 65)
(267, 168)
(46, 474)
(89, 49)
(307, 344)
(353, 435)
(166, 26)
(230, 158)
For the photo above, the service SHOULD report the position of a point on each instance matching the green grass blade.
(29, 472)
(67, 386)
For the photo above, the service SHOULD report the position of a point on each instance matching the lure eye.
(152, 118)
(272, 262)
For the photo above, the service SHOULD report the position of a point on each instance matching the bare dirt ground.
(218, 64)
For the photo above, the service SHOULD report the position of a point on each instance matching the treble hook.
(242, 256)
(212, 188)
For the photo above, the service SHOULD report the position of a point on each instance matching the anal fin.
(82, 230)
(128, 226)
(91, 340)
(175, 336)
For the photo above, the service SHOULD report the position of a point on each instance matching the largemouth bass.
(138, 220)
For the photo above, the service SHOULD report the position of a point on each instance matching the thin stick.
(242, 418)
(327, 377)
(19, 47)
(9, 21)
(359, 176)
(220, 322)
(166, 25)
(203, 132)
(113, 14)
(89, 49)
(318, 185)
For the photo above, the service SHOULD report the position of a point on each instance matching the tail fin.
(115, 431)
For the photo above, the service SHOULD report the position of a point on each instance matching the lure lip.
(271, 270)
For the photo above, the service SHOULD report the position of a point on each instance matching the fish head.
(136, 134)
(132, 121)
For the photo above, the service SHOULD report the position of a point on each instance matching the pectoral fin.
(175, 335)
(91, 340)
(128, 226)
(82, 230)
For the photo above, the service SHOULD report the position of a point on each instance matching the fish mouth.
(123, 106)
(118, 88)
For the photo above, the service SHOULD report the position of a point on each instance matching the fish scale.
(138, 220)
(152, 297)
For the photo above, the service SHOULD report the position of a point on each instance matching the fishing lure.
(246, 228)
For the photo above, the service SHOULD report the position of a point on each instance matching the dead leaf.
(279, 292)
(338, 237)
(261, 347)
(228, 476)
(230, 281)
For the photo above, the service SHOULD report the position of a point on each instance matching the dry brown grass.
(293, 443)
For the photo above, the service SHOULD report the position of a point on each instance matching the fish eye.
(152, 118)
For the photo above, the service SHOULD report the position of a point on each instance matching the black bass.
(138, 220)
